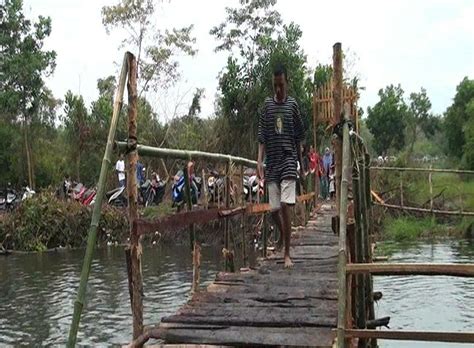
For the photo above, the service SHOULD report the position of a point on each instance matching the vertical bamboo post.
(92, 236)
(359, 238)
(196, 267)
(342, 254)
(265, 225)
(189, 202)
(401, 189)
(204, 189)
(227, 264)
(430, 180)
(134, 250)
(337, 102)
(242, 220)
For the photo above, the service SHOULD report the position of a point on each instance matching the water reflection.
(38, 292)
(428, 303)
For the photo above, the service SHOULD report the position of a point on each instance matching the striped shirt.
(280, 129)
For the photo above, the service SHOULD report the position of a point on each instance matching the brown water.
(38, 290)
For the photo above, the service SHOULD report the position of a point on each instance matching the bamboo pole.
(342, 254)
(433, 269)
(226, 221)
(359, 249)
(205, 190)
(422, 210)
(461, 337)
(337, 102)
(430, 181)
(242, 220)
(401, 189)
(134, 249)
(426, 170)
(187, 154)
(189, 203)
(92, 236)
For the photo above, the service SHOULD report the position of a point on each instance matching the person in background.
(120, 170)
(327, 162)
(140, 173)
(312, 156)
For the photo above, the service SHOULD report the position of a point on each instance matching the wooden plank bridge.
(269, 305)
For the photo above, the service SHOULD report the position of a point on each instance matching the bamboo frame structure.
(92, 235)
(337, 102)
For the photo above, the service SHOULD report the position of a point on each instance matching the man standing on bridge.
(280, 133)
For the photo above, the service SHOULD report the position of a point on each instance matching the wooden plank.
(460, 337)
(435, 269)
(305, 197)
(249, 336)
(258, 208)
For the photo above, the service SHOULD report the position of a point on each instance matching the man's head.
(280, 82)
(327, 151)
(121, 156)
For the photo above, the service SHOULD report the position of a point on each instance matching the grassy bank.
(409, 228)
(44, 222)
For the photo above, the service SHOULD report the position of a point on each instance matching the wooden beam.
(447, 269)
(258, 208)
(460, 337)
(423, 210)
(305, 197)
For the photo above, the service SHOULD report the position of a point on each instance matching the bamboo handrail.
(460, 337)
(144, 150)
(434, 269)
(424, 210)
(96, 212)
(426, 170)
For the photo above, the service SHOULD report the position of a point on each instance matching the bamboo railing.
(432, 210)
(356, 308)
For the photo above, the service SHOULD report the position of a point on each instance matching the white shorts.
(285, 192)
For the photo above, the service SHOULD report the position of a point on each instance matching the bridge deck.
(269, 305)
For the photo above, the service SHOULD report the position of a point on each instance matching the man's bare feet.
(288, 263)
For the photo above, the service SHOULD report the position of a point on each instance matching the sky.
(423, 43)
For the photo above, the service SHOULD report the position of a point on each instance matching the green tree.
(77, 127)
(419, 117)
(156, 49)
(256, 40)
(386, 120)
(458, 119)
(23, 65)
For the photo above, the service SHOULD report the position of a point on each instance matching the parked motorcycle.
(178, 194)
(117, 197)
(12, 199)
(215, 187)
(253, 186)
(153, 191)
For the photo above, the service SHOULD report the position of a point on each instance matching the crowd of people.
(324, 168)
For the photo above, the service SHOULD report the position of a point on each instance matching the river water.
(38, 290)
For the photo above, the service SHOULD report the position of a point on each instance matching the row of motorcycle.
(150, 191)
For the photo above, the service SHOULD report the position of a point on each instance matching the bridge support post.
(134, 250)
